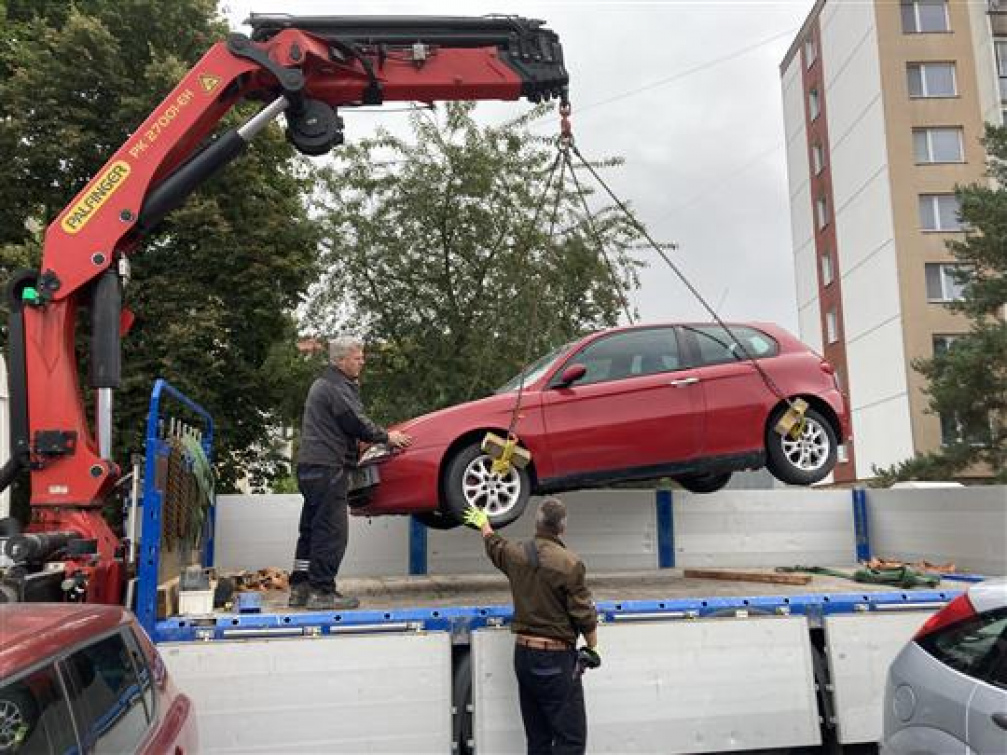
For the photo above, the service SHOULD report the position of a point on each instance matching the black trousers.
(324, 526)
(552, 701)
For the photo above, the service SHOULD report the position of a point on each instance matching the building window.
(814, 105)
(945, 282)
(817, 158)
(831, 326)
(943, 343)
(939, 145)
(810, 52)
(1001, 50)
(939, 212)
(976, 431)
(821, 212)
(826, 262)
(923, 16)
(932, 80)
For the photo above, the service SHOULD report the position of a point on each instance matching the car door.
(734, 394)
(635, 407)
(987, 716)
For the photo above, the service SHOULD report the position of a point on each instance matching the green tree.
(968, 382)
(214, 287)
(437, 249)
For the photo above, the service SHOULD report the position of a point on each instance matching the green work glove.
(476, 517)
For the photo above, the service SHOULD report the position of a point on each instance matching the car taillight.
(829, 370)
(957, 610)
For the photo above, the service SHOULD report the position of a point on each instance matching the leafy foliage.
(215, 285)
(968, 382)
(438, 250)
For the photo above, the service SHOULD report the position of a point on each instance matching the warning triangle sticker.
(209, 83)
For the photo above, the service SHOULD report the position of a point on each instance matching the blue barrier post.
(665, 531)
(417, 547)
(861, 531)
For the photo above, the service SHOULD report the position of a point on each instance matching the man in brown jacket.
(552, 607)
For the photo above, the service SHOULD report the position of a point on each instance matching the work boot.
(299, 592)
(330, 601)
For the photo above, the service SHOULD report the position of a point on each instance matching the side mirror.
(571, 375)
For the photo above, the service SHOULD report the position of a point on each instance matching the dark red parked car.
(83, 678)
(636, 403)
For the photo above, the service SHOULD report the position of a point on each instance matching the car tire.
(709, 482)
(18, 716)
(437, 520)
(805, 460)
(469, 480)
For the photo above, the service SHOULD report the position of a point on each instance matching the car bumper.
(406, 483)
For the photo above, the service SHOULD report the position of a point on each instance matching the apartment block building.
(885, 103)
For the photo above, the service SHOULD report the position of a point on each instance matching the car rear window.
(976, 647)
(108, 696)
(716, 346)
(35, 715)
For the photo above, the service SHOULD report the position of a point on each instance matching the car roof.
(989, 594)
(33, 632)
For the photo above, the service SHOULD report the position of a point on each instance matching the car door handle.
(684, 381)
(1000, 719)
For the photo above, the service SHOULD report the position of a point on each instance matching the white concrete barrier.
(966, 526)
(375, 694)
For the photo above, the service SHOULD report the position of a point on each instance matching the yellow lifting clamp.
(505, 453)
(792, 421)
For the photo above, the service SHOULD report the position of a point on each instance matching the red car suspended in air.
(684, 401)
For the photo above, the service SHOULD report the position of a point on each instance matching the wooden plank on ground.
(749, 576)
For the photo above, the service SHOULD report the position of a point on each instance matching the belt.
(541, 643)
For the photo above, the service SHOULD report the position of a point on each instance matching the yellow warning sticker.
(208, 82)
(96, 194)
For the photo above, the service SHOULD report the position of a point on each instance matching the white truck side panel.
(669, 687)
(763, 528)
(611, 530)
(859, 650)
(351, 693)
(256, 531)
(967, 526)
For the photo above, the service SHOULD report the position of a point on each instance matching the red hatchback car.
(684, 401)
(83, 678)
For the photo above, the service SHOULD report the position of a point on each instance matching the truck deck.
(458, 590)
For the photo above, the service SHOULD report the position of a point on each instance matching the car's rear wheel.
(710, 482)
(469, 480)
(805, 459)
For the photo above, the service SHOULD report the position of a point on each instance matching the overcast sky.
(689, 94)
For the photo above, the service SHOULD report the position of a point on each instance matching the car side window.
(716, 346)
(35, 715)
(976, 647)
(629, 354)
(108, 696)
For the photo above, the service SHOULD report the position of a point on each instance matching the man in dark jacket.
(333, 423)
(552, 607)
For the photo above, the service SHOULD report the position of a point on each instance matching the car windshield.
(535, 370)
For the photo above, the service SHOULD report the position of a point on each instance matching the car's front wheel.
(469, 480)
(806, 458)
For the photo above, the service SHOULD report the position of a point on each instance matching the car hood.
(492, 411)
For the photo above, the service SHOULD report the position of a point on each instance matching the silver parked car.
(947, 689)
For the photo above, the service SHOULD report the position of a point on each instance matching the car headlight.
(377, 451)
